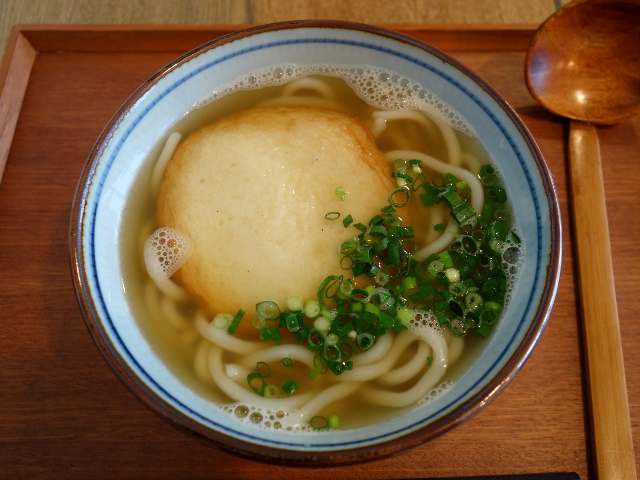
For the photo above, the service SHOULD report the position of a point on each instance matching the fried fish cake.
(252, 192)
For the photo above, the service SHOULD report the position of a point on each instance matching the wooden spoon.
(584, 64)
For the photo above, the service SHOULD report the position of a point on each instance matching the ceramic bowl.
(145, 120)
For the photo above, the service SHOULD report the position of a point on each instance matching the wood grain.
(14, 76)
(222, 12)
(608, 405)
(64, 413)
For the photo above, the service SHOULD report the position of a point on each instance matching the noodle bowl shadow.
(147, 118)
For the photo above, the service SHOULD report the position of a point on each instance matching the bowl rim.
(312, 458)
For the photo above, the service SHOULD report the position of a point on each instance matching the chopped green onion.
(235, 322)
(451, 178)
(377, 231)
(457, 289)
(380, 245)
(439, 227)
(451, 198)
(265, 335)
(287, 362)
(360, 226)
(316, 370)
(263, 369)
(292, 323)
(312, 309)
(319, 423)
(267, 310)
(381, 278)
(326, 284)
(488, 180)
(365, 341)
(275, 335)
(486, 170)
(289, 387)
(404, 315)
(497, 246)
(399, 164)
(331, 339)
(469, 245)
(258, 322)
(295, 303)
(252, 378)
(332, 215)
(429, 361)
(356, 307)
(497, 230)
(403, 194)
(322, 324)
(401, 232)
(222, 321)
(410, 284)
(393, 252)
(376, 220)
(438, 180)
(270, 391)
(416, 165)
(334, 421)
(446, 259)
(435, 266)
(473, 300)
(452, 274)
(371, 308)
(340, 192)
(484, 329)
(428, 200)
(463, 212)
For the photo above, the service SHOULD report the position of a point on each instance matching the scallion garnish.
(235, 322)
(464, 285)
(295, 303)
(289, 387)
(399, 197)
(312, 308)
(319, 423)
(222, 321)
(267, 310)
(333, 421)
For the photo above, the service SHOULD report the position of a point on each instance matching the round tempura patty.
(252, 192)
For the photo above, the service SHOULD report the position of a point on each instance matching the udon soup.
(319, 248)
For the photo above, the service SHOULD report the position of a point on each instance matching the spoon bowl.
(584, 63)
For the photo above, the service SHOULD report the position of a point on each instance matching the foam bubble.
(380, 88)
(434, 393)
(281, 420)
(165, 251)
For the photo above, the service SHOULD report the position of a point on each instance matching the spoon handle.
(612, 442)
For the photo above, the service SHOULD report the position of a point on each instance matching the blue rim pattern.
(327, 446)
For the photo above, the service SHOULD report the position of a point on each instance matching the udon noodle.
(402, 368)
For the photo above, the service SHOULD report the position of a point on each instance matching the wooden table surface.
(64, 414)
(219, 12)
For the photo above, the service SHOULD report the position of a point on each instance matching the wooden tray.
(65, 414)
